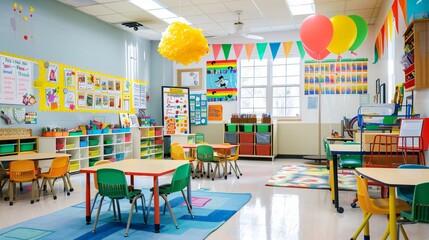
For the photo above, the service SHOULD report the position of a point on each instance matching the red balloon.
(322, 55)
(316, 32)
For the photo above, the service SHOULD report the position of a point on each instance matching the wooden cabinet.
(416, 58)
(149, 142)
(255, 139)
(15, 145)
(85, 150)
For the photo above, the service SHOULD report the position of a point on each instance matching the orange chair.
(4, 177)
(372, 206)
(59, 169)
(22, 171)
(233, 159)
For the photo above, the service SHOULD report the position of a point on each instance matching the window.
(270, 86)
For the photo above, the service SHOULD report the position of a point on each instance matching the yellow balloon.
(345, 32)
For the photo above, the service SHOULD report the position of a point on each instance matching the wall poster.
(16, 78)
(349, 76)
(175, 110)
(221, 81)
(198, 109)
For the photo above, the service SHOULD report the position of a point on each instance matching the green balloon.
(362, 31)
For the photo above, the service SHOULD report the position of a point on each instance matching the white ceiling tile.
(186, 11)
(330, 6)
(224, 17)
(78, 3)
(139, 16)
(283, 27)
(199, 19)
(114, 18)
(213, 8)
(209, 26)
(155, 24)
(122, 7)
(176, 3)
(364, 13)
(96, 10)
(359, 4)
(110, 1)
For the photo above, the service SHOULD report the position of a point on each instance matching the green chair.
(205, 154)
(113, 184)
(179, 182)
(351, 160)
(420, 207)
(407, 193)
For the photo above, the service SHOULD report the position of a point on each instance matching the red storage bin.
(246, 148)
(247, 137)
(263, 149)
(158, 131)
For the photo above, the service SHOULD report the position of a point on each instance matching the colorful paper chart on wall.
(215, 112)
(16, 79)
(139, 94)
(198, 109)
(221, 81)
(175, 114)
(350, 76)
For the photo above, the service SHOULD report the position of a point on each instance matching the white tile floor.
(272, 213)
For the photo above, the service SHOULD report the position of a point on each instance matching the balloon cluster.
(321, 35)
(183, 44)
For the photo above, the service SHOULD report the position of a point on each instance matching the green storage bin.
(7, 148)
(93, 142)
(28, 146)
(389, 119)
(231, 127)
(247, 127)
(263, 128)
(108, 141)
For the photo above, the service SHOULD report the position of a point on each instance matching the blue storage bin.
(120, 156)
(231, 137)
(83, 143)
(264, 138)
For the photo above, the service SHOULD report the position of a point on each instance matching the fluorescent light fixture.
(159, 11)
(147, 4)
(301, 7)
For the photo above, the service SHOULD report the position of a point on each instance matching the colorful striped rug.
(211, 210)
(310, 176)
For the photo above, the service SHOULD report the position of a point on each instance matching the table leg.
(156, 204)
(331, 180)
(88, 199)
(392, 212)
(189, 192)
(335, 168)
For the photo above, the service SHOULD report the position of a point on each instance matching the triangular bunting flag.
(286, 48)
(390, 23)
(403, 4)
(216, 50)
(226, 49)
(237, 49)
(261, 47)
(249, 49)
(375, 54)
(395, 14)
(301, 49)
(274, 46)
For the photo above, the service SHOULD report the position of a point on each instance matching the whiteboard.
(410, 128)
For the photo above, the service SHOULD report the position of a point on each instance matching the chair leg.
(133, 203)
(51, 185)
(362, 225)
(187, 204)
(145, 211)
(69, 182)
(93, 203)
(114, 207)
(66, 186)
(169, 209)
(119, 209)
(237, 168)
(11, 193)
(98, 214)
(148, 207)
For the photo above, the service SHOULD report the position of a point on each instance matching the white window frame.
(269, 88)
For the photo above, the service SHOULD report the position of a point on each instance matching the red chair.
(412, 149)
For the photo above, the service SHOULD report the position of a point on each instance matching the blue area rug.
(211, 210)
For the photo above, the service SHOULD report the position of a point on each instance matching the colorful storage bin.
(94, 153)
(264, 138)
(93, 142)
(263, 127)
(28, 146)
(231, 137)
(70, 145)
(231, 127)
(108, 150)
(7, 148)
(247, 137)
(83, 143)
(263, 149)
(246, 128)
(108, 141)
(246, 148)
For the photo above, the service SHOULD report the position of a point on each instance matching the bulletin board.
(198, 109)
(175, 114)
(16, 80)
(348, 76)
(64, 88)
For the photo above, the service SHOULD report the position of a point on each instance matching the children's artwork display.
(348, 76)
(139, 94)
(16, 78)
(215, 112)
(175, 113)
(221, 81)
(198, 109)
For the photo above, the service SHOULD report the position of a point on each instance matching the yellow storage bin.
(94, 153)
(144, 143)
(71, 145)
(74, 167)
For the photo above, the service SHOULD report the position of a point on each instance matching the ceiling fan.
(239, 29)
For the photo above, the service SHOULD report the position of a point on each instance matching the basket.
(93, 142)
(28, 146)
(108, 150)
(74, 167)
(108, 141)
(71, 145)
(83, 143)
(94, 153)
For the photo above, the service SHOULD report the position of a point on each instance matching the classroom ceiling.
(217, 17)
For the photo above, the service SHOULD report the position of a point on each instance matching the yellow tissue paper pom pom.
(183, 43)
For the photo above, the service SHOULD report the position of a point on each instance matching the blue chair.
(407, 193)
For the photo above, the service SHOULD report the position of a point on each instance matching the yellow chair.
(22, 171)
(178, 153)
(372, 206)
(233, 159)
(96, 182)
(59, 169)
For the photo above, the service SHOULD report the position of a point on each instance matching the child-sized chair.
(22, 171)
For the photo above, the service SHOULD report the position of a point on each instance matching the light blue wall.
(61, 34)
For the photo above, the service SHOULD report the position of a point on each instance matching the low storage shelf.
(255, 139)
